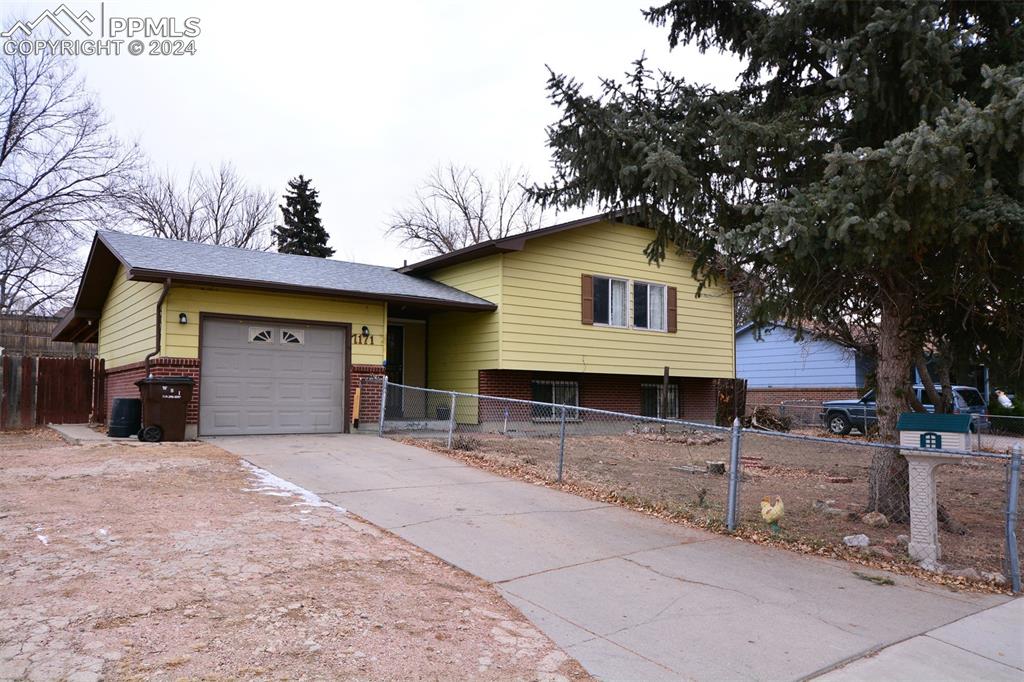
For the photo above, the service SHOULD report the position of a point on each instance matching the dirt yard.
(824, 487)
(173, 561)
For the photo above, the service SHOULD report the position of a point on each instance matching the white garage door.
(261, 378)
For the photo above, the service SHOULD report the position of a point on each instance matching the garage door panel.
(321, 392)
(223, 392)
(277, 387)
(226, 419)
(223, 361)
(291, 391)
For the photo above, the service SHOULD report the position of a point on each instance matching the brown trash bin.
(164, 403)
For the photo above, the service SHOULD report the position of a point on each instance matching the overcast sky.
(366, 98)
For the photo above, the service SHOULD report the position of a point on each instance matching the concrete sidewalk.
(986, 646)
(629, 596)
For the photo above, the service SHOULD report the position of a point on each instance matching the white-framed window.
(650, 306)
(261, 335)
(297, 336)
(611, 301)
(559, 393)
(650, 401)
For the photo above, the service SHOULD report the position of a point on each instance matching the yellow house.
(277, 343)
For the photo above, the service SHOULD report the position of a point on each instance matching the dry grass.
(164, 562)
(823, 486)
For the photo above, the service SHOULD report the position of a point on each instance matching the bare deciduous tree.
(457, 207)
(216, 208)
(59, 168)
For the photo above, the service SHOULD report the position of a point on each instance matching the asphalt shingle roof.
(263, 268)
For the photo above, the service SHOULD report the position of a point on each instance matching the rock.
(994, 577)
(968, 573)
(881, 552)
(903, 539)
(875, 519)
(840, 479)
(825, 507)
(859, 540)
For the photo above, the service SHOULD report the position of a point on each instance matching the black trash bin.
(164, 402)
(125, 418)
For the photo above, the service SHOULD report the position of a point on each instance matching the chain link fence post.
(561, 444)
(451, 422)
(734, 475)
(383, 405)
(1012, 494)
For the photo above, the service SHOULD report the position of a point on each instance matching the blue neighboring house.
(777, 367)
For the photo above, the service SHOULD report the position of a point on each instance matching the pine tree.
(867, 167)
(302, 234)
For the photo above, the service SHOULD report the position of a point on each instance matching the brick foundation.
(370, 378)
(613, 392)
(120, 381)
(774, 396)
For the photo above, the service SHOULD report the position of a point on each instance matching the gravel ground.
(173, 561)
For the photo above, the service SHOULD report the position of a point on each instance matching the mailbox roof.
(926, 421)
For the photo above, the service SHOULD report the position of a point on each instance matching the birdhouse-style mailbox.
(938, 432)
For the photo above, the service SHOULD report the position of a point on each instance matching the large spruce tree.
(302, 233)
(868, 167)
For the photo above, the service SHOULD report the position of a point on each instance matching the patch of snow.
(43, 539)
(103, 531)
(269, 484)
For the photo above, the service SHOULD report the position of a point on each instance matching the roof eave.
(514, 242)
(146, 275)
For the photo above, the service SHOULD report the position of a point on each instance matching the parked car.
(841, 416)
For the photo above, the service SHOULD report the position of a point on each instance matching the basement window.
(559, 393)
(650, 401)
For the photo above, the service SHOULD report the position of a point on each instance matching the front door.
(395, 370)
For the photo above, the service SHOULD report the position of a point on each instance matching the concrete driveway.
(629, 596)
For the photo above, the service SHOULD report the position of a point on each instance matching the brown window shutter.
(587, 299)
(672, 327)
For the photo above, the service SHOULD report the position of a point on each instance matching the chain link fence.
(675, 466)
(725, 478)
(991, 432)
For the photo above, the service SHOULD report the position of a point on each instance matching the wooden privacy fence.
(40, 391)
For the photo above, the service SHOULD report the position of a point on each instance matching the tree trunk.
(888, 482)
(929, 384)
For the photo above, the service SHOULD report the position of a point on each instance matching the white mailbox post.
(936, 432)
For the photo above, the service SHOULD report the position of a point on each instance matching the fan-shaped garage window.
(291, 336)
(261, 335)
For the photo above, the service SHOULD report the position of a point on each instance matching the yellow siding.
(462, 343)
(540, 309)
(182, 341)
(127, 327)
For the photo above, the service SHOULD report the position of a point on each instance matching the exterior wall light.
(183, 318)
(366, 331)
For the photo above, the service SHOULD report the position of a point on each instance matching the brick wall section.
(700, 399)
(613, 392)
(369, 377)
(120, 381)
(774, 396)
